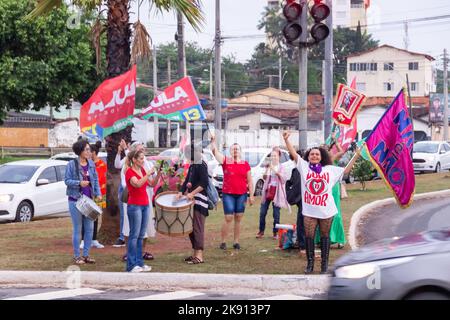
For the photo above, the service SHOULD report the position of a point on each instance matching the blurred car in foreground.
(413, 267)
(32, 188)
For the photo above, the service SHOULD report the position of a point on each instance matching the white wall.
(64, 134)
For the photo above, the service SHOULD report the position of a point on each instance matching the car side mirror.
(42, 182)
(443, 151)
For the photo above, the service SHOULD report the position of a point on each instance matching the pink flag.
(389, 146)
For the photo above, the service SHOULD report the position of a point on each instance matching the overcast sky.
(240, 18)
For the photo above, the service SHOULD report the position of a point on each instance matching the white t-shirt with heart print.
(317, 190)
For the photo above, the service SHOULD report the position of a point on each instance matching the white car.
(258, 158)
(32, 188)
(67, 156)
(431, 156)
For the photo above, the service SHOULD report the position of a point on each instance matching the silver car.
(413, 267)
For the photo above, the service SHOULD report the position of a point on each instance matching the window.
(388, 66)
(446, 147)
(413, 66)
(352, 66)
(61, 170)
(361, 86)
(373, 67)
(49, 174)
(284, 157)
(388, 86)
(414, 86)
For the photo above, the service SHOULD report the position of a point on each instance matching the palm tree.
(118, 56)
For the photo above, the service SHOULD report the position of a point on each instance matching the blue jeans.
(121, 237)
(234, 203)
(300, 228)
(77, 220)
(138, 217)
(262, 216)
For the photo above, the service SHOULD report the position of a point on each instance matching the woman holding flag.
(318, 177)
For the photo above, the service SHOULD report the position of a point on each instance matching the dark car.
(415, 266)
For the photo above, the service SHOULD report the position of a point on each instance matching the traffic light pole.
(328, 74)
(303, 81)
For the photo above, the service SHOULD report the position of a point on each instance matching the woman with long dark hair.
(318, 177)
(81, 179)
(100, 167)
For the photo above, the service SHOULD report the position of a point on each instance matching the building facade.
(381, 72)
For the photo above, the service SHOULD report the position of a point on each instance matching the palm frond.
(141, 47)
(43, 7)
(88, 4)
(191, 9)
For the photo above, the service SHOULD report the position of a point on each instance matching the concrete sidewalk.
(306, 285)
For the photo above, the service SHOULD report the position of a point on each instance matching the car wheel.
(258, 188)
(24, 212)
(428, 295)
(438, 167)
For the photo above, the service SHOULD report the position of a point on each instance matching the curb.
(295, 284)
(355, 222)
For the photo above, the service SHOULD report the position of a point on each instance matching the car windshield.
(16, 174)
(426, 147)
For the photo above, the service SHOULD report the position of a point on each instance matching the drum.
(173, 218)
(88, 208)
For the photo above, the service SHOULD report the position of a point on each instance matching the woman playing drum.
(194, 187)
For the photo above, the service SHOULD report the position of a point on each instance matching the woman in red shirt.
(237, 180)
(137, 179)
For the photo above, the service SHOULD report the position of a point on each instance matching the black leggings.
(94, 236)
(311, 225)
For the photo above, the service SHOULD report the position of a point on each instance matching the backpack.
(294, 188)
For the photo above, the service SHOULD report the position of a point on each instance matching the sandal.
(89, 260)
(148, 256)
(188, 258)
(79, 261)
(195, 260)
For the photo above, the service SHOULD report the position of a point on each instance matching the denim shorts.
(234, 203)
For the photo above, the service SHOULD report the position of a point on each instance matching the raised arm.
(340, 152)
(217, 154)
(352, 162)
(289, 146)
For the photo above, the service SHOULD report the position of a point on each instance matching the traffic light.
(292, 30)
(319, 12)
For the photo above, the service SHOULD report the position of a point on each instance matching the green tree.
(362, 170)
(42, 62)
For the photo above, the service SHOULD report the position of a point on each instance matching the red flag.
(353, 84)
(111, 106)
(346, 105)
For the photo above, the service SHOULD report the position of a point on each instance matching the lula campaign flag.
(389, 147)
(177, 102)
(111, 107)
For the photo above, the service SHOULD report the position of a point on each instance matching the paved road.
(391, 221)
(94, 294)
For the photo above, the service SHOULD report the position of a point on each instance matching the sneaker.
(79, 261)
(223, 246)
(119, 243)
(97, 245)
(146, 268)
(236, 246)
(275, 236)
(137, 269)
(81, 244)
(259, 235)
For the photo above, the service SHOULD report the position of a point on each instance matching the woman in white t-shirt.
(318, 177)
